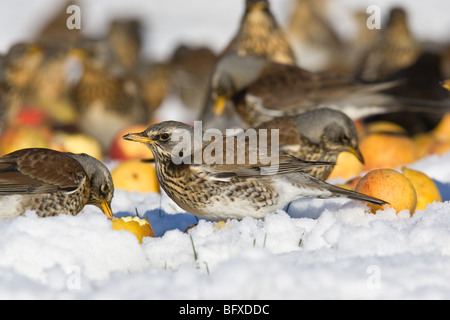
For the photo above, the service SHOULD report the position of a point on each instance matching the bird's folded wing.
(283, 164)
(39, 171)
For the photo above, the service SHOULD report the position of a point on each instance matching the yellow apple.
(23, 136)
(139, 227)
(443, 127)
(78, 143)
(391, 186)
(135, 175)
(426, 190)
(384, 127)
(347, 166)
(382, 150)
(424, 143)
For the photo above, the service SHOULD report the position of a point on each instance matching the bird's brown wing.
(39, 171)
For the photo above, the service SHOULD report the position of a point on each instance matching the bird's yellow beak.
(137, 137)
(106, 209)
(356, 153)
(446, 84)
(219, 105)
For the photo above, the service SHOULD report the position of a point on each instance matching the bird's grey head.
(169, 139)
(100, 178)
(332, 127)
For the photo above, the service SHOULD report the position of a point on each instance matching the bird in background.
(191, 67)
(19, 67)
(104, 92)
(221, 191)
(261, 90)
(124, 35)
(394, 49)
(316, 43)
(258, 34)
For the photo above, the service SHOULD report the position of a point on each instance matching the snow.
(320, 249)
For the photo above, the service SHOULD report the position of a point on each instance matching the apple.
(391, 186)
(139, 227)
(384, 127)
(443, 127)
(30, 116)
(387, 150)
(431, 143)
(78, 143)
(425, 143)
(125, 150)
(426, 189)
(23, 136)
(347, 166)
(135, 176)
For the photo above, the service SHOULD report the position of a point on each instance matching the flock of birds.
(262, 79)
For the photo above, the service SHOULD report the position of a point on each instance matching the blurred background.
(136, 62)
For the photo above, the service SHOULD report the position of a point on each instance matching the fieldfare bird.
(191, 69)
(317, 45)
(103, 92)
(52, 182)
(317, 135)
(261, 90)
(258, 35)
(55, 30)
(20, 66)
(125, 39)
(222, 190)
(396, 48)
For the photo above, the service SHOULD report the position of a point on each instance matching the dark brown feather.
(30, 171)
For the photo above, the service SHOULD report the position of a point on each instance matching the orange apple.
(125, 150)
(384, 127)
(391, 186)
(383, 150)
(139, 227)
(135, 175)
(78, 143)
(440, 146)
(426, 190)
(424, 143)
(347, 166)
(19, 137)
(443, 127)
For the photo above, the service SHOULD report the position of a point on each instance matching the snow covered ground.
(320, 249)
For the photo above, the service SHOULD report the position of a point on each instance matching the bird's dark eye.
(345, 139)
(104, 188)
(164, 136)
